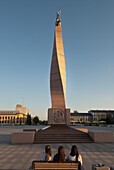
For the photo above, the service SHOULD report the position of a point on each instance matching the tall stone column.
(58, 114)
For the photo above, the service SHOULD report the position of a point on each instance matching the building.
(98, 115)
(80, 117)
(17, 116)
(92, 115)
(22, 109)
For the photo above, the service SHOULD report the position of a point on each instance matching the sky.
(26, 44)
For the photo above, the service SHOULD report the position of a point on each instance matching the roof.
(101, 111)
(80, 114)
(10, 112)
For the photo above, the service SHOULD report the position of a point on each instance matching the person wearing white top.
(74, 155)
(46, 156)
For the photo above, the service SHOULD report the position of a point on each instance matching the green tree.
(109, 118)
(28, 119)
(75, 111)
(36, 120)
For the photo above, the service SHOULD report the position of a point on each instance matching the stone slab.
(83, 130)
(23, 138)
(101, 137)
(30, 130)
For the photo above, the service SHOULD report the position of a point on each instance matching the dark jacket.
(56, 158)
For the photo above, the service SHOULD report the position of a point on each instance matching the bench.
(41, 165)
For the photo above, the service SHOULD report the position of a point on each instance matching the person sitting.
(46, 156)
(74, 155)
(60, 156)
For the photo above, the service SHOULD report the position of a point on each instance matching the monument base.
(58, 116)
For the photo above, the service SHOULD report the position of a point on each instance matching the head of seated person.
(60, 156)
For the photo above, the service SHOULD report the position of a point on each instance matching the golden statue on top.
(58, 20)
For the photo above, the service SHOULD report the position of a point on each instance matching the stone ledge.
(23, 138)
(101, 137)
(82, 130)
(30, 130)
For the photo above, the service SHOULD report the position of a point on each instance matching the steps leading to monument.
(61, 134)
(62, 139)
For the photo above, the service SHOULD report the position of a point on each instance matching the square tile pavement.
(21, 156)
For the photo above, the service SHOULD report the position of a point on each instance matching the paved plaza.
(21, 156)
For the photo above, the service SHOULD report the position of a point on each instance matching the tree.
(109, 118)
(36, 120)
(75, 111)
(28, 119)
(44, 122)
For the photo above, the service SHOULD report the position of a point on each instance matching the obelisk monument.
(58, 114)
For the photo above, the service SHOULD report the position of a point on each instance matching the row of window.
(7, 121)
(81, 119)
(8, 117)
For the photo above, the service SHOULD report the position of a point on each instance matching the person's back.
(74, 155)
(46, 156)
(60, 156)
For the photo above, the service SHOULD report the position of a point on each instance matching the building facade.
(98, 115)
(80, 117)
(17, 116)
(92, 115)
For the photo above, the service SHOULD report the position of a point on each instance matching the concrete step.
(67, 141)
(39, 138)
(61, 134)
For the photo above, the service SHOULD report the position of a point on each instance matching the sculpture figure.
(58, 20)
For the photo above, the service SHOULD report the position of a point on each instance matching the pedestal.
(58, 116)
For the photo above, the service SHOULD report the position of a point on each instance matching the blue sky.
(26, 43)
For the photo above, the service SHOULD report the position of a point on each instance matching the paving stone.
(21, 156)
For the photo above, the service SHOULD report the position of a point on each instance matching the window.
(0, 117)
(6, 117)
(3, 117)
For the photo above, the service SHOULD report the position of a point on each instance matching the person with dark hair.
(60, 156)
(74, 155)
(46, 156)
